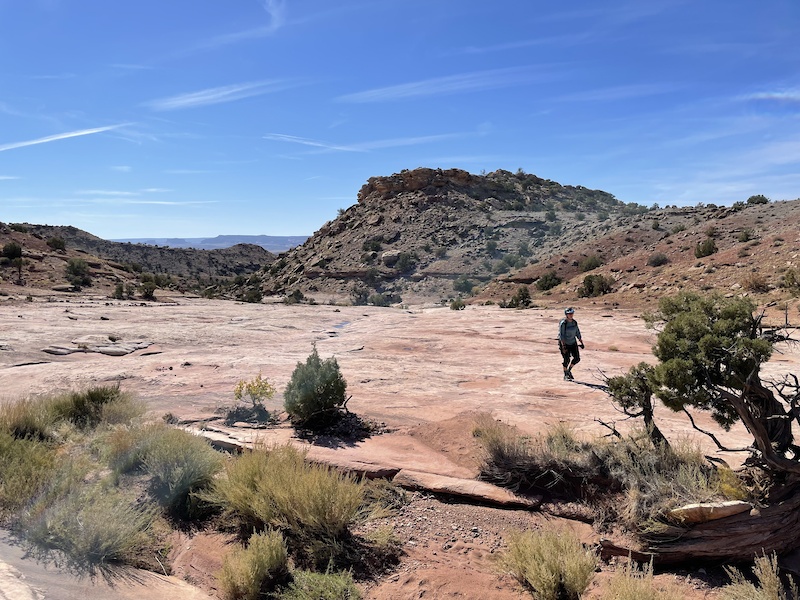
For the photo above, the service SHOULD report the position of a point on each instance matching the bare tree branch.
(712, 436)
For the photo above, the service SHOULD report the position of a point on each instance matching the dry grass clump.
(768, 585)
(93, 527)
(643, 480)
(277, 488)
(554, 565)
(632, 583)
(252, 572)
(308, 585)
(26, 465)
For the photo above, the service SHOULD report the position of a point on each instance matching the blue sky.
(178, 118)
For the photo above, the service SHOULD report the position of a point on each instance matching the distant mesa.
(273, 243)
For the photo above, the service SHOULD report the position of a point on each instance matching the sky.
(194, 118)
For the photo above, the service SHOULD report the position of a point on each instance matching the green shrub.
(705, 248)
(277, 488)
(589, 263)
(18, 227)
(316, 392)
(379, 300)
(463, 285)
(547, 281)
(257, 390)
(657, 259)
(745, 235)
(119, 291)
(308, 585)
(148, 290)
(405, 262)
(77, 272)
(29, 418)
(252, 572)
(57, 243)
(553, 564)
(26, 465)
(768, 587)
(521, 299)
(457, 304)
(758, 199)
(595, 285)
(12, 250)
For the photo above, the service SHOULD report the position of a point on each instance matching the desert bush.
(308, 585)
(654, 478)
(257, 390)
(316, 391)
(405, 262)
(29, 418)
(755, 282)
(521, 298)
(547, 281)
(590, 263)
(457, 304)
(554, 565)
(705, 248)
(12, 250)
(179, 464)
(148, 290)
(77, 272)
(758, 199)
(791, 280)
(678, 228)
(277, 488)
(119, 291)
(57, 243)
(632, 583)
(253, 572)
(595, 285)
(18, 227)
(463, 285)
(379, 300)
(657, 259)
(85, 409)
(93, 527)
(768, 584)
(26, 465)
(745, 235)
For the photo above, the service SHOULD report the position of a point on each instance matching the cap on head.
(569, 311)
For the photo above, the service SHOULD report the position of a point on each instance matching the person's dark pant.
(570, 351)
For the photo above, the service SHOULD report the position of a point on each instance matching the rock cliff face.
(414, 235)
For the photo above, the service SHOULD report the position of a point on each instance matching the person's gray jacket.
(568, 332)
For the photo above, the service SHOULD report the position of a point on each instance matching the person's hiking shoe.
(568, 376)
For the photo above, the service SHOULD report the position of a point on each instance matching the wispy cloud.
(131, 67)
(280, 137)
(155, 190)
(365, 146)
(105, 193)
(59, 76)
(122, 168)
(8, 177)
(561, 40)
(187, 171)
(620, 92)
(789, 95)
(59, 136)
(277, 13)
(450, 84)
(218, 95)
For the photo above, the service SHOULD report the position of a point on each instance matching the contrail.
(59, 136)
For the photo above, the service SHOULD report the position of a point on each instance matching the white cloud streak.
(276, 9)
(59, 136)
(785, 95)
(8, 177)
(364, 146)
(217, 95)
(451, 84)
(621, 92)
(280, 137)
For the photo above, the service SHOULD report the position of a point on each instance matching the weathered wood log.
(742, 537)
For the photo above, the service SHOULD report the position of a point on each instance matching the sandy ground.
(424, 372)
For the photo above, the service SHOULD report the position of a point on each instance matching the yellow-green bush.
(768, 585)
(250, 573)
(554, 565)
(26, 465)
(308, 585)
(632, 583)
(277, 488)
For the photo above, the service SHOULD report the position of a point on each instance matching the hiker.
(569, 336)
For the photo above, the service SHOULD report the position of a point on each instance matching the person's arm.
(578, 335)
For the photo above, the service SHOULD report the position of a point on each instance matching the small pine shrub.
(463, 285)
(657, 259)
(77, 272)
(521, 299)
(758, 199)
(745, 235)
(12, 250)
(316, 392)
(457, 304)
(57, 243)
(554, 565)
(547, 281)
(253, 572)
